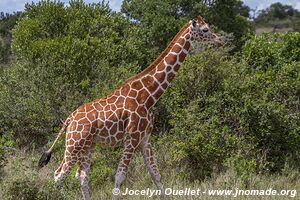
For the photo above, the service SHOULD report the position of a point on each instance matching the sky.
(10, 6)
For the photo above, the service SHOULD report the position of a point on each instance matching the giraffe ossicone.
(124, 117)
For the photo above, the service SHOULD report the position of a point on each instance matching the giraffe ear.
(194, 23)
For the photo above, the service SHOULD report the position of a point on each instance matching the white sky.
(10, 6)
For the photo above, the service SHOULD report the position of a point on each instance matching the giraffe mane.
(160, 57)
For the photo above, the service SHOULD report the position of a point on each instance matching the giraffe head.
(202, 32)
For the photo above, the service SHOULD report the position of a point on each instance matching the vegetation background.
(231, 118)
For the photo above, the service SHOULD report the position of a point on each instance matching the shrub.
(226, 113)
(272, 50)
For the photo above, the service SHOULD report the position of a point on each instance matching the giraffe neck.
(160, 77)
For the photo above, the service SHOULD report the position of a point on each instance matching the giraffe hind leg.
(84, 163)
(65, 167)
(152, 167)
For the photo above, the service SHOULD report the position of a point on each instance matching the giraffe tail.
(46, 156)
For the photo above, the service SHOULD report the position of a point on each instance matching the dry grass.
(23, 165)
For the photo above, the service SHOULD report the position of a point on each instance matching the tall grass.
(22, 180)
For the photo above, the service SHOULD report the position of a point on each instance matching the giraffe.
(124, 118)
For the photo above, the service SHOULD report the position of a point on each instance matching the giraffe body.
(125, 117)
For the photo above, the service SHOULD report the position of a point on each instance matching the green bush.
(63, 60)
(227, 112)
(272, 50)
(3, 161)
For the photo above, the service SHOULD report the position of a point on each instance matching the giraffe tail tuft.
(46, 156)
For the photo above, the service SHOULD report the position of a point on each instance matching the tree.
(7, 22)
(65, 56)
(276, 12)
(162, 19)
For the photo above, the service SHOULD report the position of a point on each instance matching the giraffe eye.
(205, 30)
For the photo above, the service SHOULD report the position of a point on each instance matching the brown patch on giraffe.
(88, 143)
(131, 103)
(126, 122)
(80, 127)
(108, 114)
(169, 68)
(125, 90)
(143, 124)
(137, 85)
(117, 92)
(76, 135)
(132, 93)
(112, 99)
(83, 121)
(81, 142)
(89, 107)
(104, 132)
(187, 36)
(158, 93)
(150, 102)
(119, 112)
(113, 141)
(98, 106)
(113, 107)
(101, 115)
(92, 115)
(182, 56)
(81, 109)
(165, 85)
(160, 76)
(79, 116)
(70, 142)
(187, 45)
(176, 67)
(150, 84)
(176, 49)
(142, 96)
(142, 111)
(161, 66)
(93, 130)
(120, 125)
(113, 117)
(114, 128)
(120, 102)
(68, 136)
(153, 87)
(170, 77)
(148, 81)
(125, 114)
(103, 102)
(181, 41)
(119, 135)
(107, 108)
(134, 118)
(171, 59)
(73, 126)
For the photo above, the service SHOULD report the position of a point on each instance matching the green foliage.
(23, 181)
(223, 112)
(226, 113)
(278, 15)
(64, 61)
(3, 161)
(161, 20)
(272, 50)
(7, 22)
(277, 11)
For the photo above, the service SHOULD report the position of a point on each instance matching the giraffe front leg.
(128, 151)
(152, 167)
